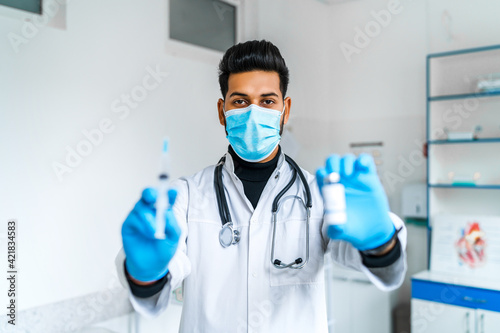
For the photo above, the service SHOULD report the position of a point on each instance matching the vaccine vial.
(334, 200)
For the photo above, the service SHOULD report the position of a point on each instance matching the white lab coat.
(237, 289)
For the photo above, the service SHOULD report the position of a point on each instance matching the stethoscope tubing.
(225, 215)
(277, 263)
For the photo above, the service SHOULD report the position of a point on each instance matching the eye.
(268, 102)
(239, 101)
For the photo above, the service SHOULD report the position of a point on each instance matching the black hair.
(251, 56)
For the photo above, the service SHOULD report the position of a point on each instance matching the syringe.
(334, 194)
(161, 199)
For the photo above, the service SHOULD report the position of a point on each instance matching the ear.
(220, 109)
(288, 105)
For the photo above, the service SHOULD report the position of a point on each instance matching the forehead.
(254, 83)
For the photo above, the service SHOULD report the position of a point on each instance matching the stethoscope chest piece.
(228, 235)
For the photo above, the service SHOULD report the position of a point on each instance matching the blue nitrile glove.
(368, 223)
(147, 258)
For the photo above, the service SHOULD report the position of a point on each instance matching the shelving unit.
(454, 104)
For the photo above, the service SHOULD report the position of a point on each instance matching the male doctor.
(238, 287)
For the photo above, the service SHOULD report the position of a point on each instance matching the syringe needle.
(162, 200)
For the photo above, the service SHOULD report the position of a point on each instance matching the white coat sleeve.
(179, 267)
(385, 278)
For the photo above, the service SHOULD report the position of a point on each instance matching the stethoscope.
(228, 235)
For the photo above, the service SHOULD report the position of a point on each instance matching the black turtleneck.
(254, 176)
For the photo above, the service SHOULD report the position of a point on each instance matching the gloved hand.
(147, 258)
(368, 223)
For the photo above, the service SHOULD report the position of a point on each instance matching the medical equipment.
(162, 200)
(230, 236)
(464, 179)
(454, 135)
(334, 193)
(489, 83)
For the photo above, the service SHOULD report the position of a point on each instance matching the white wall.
(64, 81)
(300, 29)
(462, 24)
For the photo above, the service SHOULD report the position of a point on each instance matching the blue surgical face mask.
(253, 132)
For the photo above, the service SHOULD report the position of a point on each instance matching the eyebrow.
(245, 95)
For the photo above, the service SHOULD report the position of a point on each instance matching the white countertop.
(72, 314)
(493, 284)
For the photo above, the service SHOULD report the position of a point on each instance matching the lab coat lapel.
(229, 167)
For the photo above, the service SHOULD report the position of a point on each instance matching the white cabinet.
(446, 303)
(487, 321)
(355, 305)
(433, 317)
(352, 299)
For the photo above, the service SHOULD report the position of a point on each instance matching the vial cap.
(333, 177)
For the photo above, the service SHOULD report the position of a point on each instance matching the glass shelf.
(464, 96)
(490, 187)
(445, 142)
